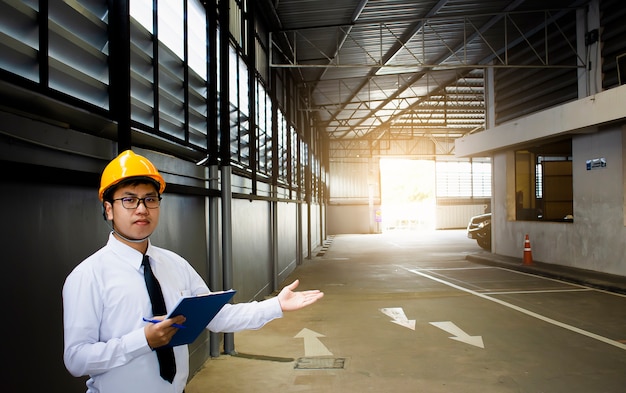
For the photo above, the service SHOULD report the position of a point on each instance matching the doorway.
(407, 194)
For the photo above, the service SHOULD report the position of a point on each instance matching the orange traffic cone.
(528, 255)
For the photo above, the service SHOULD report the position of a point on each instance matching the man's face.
(136, 222)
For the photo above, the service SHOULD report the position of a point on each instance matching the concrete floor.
(410, 312)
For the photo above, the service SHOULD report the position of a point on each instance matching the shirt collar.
(127, 253)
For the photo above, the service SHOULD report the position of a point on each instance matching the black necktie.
(167, 365)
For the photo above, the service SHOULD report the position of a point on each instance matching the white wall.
(457, 216)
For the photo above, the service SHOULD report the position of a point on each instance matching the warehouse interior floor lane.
(410, 313)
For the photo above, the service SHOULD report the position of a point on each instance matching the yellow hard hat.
(128, 165)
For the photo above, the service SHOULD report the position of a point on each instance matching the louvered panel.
(19, 39)
(78, 50)
(141, 74)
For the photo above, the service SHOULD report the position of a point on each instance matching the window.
(543, 183)
(157, 68)
(263, 142)
(197, 39)
(470, 178)
(282, 147)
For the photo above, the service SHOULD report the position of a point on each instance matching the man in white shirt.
(105, 296)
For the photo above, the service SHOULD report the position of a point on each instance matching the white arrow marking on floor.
(397, 316)
(459, 334)
(313, 346)
(574, 329)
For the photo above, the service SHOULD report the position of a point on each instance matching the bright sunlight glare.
(407, 194)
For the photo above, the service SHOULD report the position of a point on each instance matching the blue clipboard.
(199, 311)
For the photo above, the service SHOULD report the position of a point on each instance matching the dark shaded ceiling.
(366, 68)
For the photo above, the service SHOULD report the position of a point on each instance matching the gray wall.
(47, 230)
(252, 254)
(596, 238)
(287, 238)
(348, 219)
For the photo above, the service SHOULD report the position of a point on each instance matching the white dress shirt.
(104, 300)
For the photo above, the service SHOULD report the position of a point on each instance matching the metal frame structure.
(389, 70)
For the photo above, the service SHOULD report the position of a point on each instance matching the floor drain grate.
(320, 363)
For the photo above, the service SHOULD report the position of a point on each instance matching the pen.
(157, 321)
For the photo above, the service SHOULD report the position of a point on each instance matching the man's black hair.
(107, 196)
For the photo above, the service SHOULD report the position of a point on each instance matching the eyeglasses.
(151, 202)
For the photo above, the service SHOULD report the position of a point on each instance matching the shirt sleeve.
(84, 353)
(245, 316)
(234, 317)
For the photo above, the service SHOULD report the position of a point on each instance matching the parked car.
(479, 228)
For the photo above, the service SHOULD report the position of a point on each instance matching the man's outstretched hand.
(290, 300)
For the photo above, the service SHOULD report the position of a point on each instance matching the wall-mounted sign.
(596, 163)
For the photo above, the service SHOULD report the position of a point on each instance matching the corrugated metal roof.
(403, 67)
